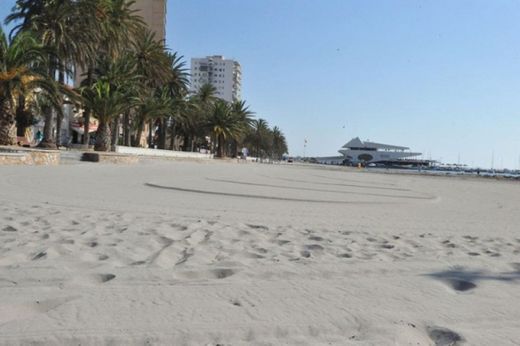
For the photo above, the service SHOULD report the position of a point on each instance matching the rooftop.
(358, 143)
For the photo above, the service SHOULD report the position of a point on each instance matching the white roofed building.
(358, 151)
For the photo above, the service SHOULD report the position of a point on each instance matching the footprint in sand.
(315, 238)
(258, 227)
(470, 238)
(387, 246)
(261, 250)
(105, 277)
(253, 255)
(186, 254)
(39, 255)
(222, 273)
(449, 244)
(444, 336)
(313, 247)
(492, 253)
(305, 253)
(179, 227)
(461, 285)
(9, 229)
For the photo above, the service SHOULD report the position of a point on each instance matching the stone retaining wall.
(103, 157)
(28, 156)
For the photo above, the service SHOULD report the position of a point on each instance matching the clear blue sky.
(439, 76)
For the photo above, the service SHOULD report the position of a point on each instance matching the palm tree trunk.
(103, 136)
(150, 135)
(86, 126)
(59, 116)
(86, 114)
(7, 124)
(185, 142)
(139, 134)
(126, 128)
(48, 138)
(162, 134)
(48, 141)
(22, 117)
(115, 133)
(172, 139)
(234, 148)
(220, 149)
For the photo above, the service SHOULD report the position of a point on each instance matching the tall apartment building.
(154, 14)
(224, 74)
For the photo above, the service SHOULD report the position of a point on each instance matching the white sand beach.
(209, 253)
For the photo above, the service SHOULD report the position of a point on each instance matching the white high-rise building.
(224, 74)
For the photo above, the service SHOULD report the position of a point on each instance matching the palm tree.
(177, 89)
(22, 74)
(157, 104)
(67, 26)
(224, 125)
(177, 83)
(122, 74)
(201, 107)
(245, 116)
(154, 67)
(181, 120)
(259, 138)
(279, 146)
(106, 102)
(153, 62)
(63, 27)
(118, 25)
(206, 94)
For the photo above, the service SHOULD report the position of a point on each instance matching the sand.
(192, 253)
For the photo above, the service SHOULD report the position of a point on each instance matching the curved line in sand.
(352, 181)
(320, 190)
(346, 185)
(229, 194)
